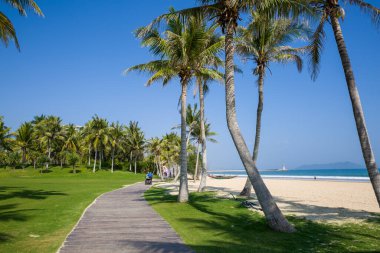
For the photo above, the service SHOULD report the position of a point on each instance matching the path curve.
(123, 221)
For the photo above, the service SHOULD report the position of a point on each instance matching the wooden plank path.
(122, 221)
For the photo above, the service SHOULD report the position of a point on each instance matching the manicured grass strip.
(210, 224)
(37, 211)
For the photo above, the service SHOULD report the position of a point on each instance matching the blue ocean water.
(321, 174)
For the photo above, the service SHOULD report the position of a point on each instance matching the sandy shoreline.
(314, 200)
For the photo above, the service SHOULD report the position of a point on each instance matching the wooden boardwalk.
(122, 221)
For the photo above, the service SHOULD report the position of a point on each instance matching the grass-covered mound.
(210, 224)
(37, 211)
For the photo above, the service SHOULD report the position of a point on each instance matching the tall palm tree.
(99, 138)
(49, 131)
(155, 146)
(197, 136)
(135, 140)
(116, 135)
(331, 11)
(7, 30)
(265, 40)
(24, 139)
(226, 13)
(180, 48)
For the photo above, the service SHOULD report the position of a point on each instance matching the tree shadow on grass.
(232, 228)
(19, 192)
(7, 214)
(5, 237)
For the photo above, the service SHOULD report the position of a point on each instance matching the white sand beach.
(313, 199)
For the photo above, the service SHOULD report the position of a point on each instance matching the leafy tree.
(72, 159)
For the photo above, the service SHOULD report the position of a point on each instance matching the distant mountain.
(326, 166)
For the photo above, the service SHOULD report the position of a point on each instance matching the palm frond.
(7, 31)
(368, 9)
(23, 5)
(316, 47)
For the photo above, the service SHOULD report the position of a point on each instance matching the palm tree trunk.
(202, 183)
(113, 155)
(188, 138)
(365, 143)
(196, 165)
(135, 167)
(96, 153)
(100, 158)
(248, 186)
(130, 162)
(23, 157)
(178, 173)
(273, 214)
(183, 195)
(49, 154)
(89, 155)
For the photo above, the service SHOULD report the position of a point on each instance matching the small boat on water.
(221, 176)
(283, 168)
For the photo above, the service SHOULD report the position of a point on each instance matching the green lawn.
(210, 224)
(37, 211)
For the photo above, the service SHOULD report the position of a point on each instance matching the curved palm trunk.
(273, 214)
(196, 165)
(96, 154)
(188, 138)
(183, 195)
(248, 186)
(365, 143)
(202, 183)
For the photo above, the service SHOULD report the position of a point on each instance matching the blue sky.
(71, 65)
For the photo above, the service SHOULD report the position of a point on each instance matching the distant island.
(326, 166)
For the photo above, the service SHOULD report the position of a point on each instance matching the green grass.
(37, 211)
(210, 224)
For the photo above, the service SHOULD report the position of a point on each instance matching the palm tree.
(5, 136)
(197, 136)
(227, 13)
(99, 137)
(331, 12)
(264, 41)
(116, 135)
(135, 141)
(71, 141)
(155, 146)
(192, 118)
(49, 131)
(7, 30)
(24, 139)
(181, 47)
